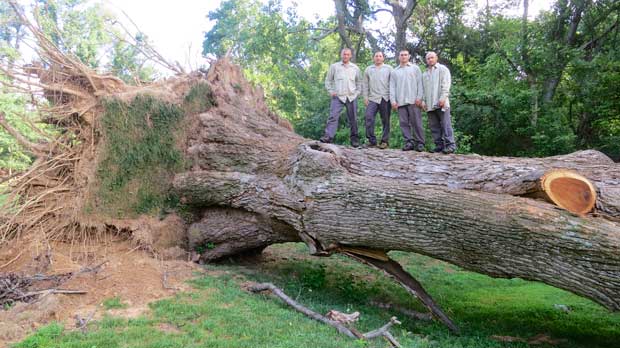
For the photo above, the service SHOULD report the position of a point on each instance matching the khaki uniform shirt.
(377, 83)
(437, 87)
(406, 84)
(345, 80)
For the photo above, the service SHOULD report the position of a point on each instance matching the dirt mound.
(110, 268)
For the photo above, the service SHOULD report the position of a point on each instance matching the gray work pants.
(410, 117)
(334, 114)
(440, 124)
(371, 113)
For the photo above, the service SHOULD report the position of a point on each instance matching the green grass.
(217, 313)
(199, 98)
(113, 303)
(141, 153)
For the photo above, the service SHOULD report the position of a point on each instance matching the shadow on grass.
(480, 305)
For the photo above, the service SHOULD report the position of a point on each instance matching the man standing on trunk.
(406, 95)
(437, 82)
(344, 84)
(376, 91)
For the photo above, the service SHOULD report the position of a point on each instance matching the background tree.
(522, 86)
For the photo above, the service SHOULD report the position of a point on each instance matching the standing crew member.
(344, 84)
(406, 95)
(437, 82)
(376, 91)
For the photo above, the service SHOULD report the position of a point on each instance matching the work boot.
(408, 147)
(437, 149)
(355, 143)
(383, 145)
(449, 149)
(420, 147)
(325, 139)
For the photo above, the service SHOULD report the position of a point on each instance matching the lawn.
(218, 313)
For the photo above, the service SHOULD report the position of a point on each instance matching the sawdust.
(133, 275)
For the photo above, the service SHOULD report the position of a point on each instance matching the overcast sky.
(177, 28)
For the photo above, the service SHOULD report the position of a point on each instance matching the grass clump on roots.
(199, 98)
(140, 156)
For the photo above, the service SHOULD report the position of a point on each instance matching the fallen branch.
(81, 323)
(381, 332)
(408, 312)
(53, 291)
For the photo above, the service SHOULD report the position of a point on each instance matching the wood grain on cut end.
(569, 190)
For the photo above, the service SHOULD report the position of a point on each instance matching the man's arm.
(420, 90)
(366, 86)
(329, 81)
(444, 88)
(358, 80)
(393, 88)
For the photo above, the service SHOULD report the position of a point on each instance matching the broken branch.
(381, 332)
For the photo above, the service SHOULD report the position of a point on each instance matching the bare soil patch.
(123, 270)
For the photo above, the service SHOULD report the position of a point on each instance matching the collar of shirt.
(400, 66)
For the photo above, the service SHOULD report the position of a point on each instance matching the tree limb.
(380, 332)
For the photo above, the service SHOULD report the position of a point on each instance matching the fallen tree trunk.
(466, 210)
(255, 182)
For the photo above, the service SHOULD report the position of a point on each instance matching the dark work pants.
(334, 114)
(371, 113)
(410, 117)
(440, 124)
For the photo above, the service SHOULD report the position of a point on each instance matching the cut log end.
(569, 190)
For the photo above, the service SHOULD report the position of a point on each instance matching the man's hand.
(394, 106)
(418, 103)
(441, 103)
(333, 94)
(366, 101)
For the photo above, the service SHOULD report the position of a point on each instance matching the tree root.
(350, 332)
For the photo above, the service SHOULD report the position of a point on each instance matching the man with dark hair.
(344, 84)
(376, 92)
(437, 82)
(406, 95)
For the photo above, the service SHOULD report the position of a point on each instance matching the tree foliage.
(521, 85)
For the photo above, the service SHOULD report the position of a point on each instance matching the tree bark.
(465, 210)
(401, 16)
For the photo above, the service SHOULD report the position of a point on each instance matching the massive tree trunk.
(249, 166)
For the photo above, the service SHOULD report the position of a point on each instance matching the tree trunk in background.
(401, 15)
(465, 210)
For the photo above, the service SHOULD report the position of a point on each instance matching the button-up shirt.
(345, 80)
(437, 82)
(406, 84)
(377, 83)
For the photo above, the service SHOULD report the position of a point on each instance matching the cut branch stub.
(568, 190)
